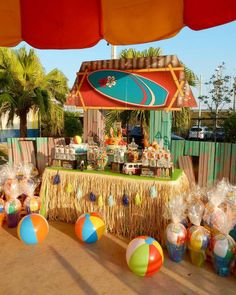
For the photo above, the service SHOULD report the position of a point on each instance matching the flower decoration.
(92, 197)
(79, 193)
(56, 179)
(125, 200)
(111, 81)
(153, 192)
(69, 188)
(100, 201)
(137, 199)
(111, 201)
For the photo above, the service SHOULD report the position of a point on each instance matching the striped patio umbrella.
(65, 24)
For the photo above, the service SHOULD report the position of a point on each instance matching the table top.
(176, 174)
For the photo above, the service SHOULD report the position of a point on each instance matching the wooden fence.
(36, 150)
(215, 160)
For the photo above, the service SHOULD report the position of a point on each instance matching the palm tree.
(25, 86)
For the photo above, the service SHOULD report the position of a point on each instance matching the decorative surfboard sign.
(128, 88)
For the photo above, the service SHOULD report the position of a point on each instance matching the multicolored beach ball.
(12, 206)
(89, 227)
(2, 204)
(77, 139)
(144, 256)
(33, 229)
(199, 237)
(32, 204)
(176, 234)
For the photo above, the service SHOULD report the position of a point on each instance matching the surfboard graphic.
(128, 88)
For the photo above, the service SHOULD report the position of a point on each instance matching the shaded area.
(62, 265)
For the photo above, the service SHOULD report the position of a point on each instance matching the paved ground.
(61, 265)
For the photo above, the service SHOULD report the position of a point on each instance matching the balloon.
(144, 256)
(89, 227)
(33, 229)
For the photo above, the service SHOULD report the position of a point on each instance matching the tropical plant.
(73, 125)
(230, 130)
(53, 123)
(24, 87)
(132, 53)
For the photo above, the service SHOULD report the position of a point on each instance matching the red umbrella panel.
(138, 83)
(65, 24)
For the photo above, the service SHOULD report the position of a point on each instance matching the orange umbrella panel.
(65, 24)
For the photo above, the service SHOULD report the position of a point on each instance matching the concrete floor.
(61, 265)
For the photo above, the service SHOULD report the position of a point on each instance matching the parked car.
(176, 137)
(219, 134)
(201, 132)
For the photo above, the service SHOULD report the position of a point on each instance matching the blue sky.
(202, 51)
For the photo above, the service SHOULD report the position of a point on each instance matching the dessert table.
(142, 214)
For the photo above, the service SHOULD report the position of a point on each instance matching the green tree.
(220, 93)
(73, 125)
(25, 86)
(230, 130)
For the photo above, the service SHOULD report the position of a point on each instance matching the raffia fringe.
(128, 222)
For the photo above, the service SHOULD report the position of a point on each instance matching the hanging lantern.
(111, 201)
(153, 192)
(125, 200)
(92, 197)
(100, 201)
(56, 179)
(69, 188)
(137, 200)
(79, 193)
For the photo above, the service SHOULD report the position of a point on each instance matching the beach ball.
(198, 237)
(144, 256)
(89, 227)
(2, 204)
(12, 206)
(223, 246)
(33, 229)
(176, 234)
(32, 204)
(77, 139)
